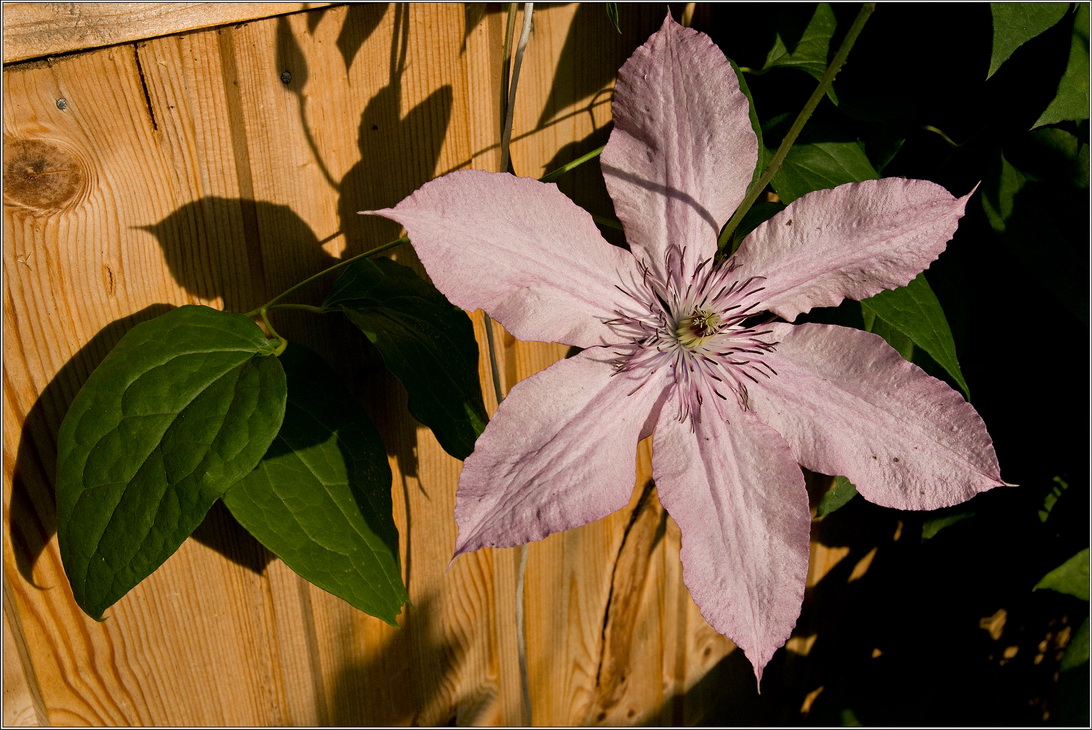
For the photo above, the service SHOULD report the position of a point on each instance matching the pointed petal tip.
(759, 661)
(384, 212)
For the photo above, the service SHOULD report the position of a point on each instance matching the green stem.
(260, 311)
(555, 174)
(794, 131)
(300, 307)
(608, 222)
(281, 342)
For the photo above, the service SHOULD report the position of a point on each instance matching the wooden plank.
(35, 30)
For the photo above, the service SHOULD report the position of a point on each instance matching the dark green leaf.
(1060, 486)
(930, 526)
(1071, 101)
(758, 214)
(1071, 577)
(1076, 653)
(1014, 24)
(182, 408)
(321, 498)
(837, 496)
(903, 344)
(810, 52)
(1049, 248)
(821, 165)
(612, 13)
(427, 342)
(999, 198)
(915, 311)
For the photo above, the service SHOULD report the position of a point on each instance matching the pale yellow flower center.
(697, 327)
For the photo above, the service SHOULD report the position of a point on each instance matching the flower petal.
(559, 453)
(520, 250)
(848, 404)
(739, 499)
(849, 242)
(682, 150)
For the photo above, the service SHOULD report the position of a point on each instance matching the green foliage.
(320, 498)
(914, 312)
(1014, 24)
(612, 13)
(821, 165)
(182, 408)
(427, 342)
(837, 496)
(1071, 101)
(1076, 653)
(808, 52)
(1071, 577)
(1046, 169)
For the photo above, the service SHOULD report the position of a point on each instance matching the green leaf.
(999, 199)
(821, 165)
(1050, 249)
(1014, 24)
(836, 497)
(612, 13)
(902, 344)
(1060, 485)
(943, 518)
(320, 500)
(810, 52)
(1076, 653)
(1071, 101)
(1071, 577)
(915, 311)
(182, 408)
(426, 341)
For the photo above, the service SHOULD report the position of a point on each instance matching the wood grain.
(219, 167)
(34, 30)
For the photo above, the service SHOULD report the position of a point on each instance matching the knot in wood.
(41, 175)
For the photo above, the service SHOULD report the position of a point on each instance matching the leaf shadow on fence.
(406, 681)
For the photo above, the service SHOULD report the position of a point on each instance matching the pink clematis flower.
(685, 348)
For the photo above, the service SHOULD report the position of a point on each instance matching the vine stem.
(260, 311)
(555, 174)
(794, 131)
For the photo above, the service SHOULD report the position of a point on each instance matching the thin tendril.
(551, 176)
(260, 311)
(794, 131)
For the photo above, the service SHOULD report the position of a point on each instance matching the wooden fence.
(158, 155)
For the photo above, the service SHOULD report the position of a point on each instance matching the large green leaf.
(810, 50)
(426, 341)
(1014, 24)
(1071, 101)
(821, 165)
(1071, 577)
(915, 311)
(321, 498)
(183, 407)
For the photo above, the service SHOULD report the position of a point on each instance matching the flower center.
(697, 327)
